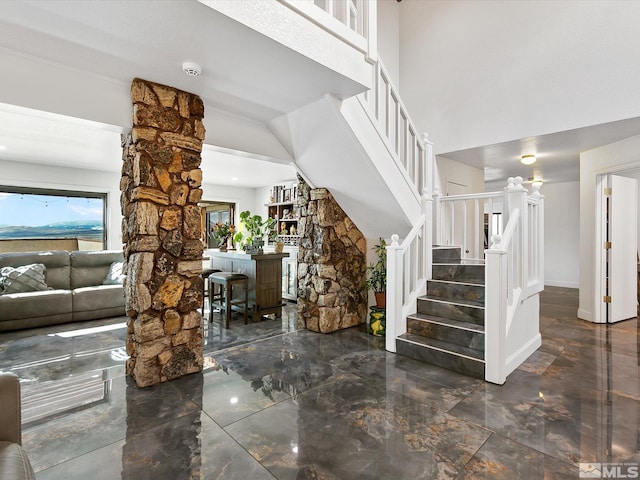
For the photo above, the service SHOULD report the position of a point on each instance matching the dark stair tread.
(474, 327)
(454, 301)
(456, 282)
(463, 261)
(443, 346)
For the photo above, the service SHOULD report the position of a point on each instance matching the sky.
(28, 210)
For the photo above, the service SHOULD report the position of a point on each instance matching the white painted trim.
(453, 303)
(516, 359)
(553, 283)
(585, 315)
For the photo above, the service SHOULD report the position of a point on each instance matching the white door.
(622, 256)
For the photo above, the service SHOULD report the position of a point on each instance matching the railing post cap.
(496, 238)
(394, 240)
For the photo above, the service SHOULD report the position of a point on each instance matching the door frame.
(599, 279)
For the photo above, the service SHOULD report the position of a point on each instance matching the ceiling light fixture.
(191, 69)
(537, 183)
(2, 147)
(528, 159)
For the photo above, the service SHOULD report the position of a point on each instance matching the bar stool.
(223, 299)
(206, 286)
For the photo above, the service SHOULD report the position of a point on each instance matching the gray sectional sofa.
(75, 289)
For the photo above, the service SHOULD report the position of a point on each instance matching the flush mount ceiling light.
(536, 181)
(191, 69)
(528, 159)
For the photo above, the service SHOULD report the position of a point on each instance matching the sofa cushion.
(15, 306)
(115, 275)
(27, 278)
(57, 265)
(91, 268)
(98, 298)
(14, 463)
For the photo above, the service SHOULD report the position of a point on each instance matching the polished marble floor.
(277, 401)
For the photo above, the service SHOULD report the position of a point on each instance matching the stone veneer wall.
(161, 186)
(332, 266)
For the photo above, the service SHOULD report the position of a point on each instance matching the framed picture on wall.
(286, 196)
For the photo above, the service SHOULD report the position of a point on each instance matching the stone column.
(332, 293)
(161, 186)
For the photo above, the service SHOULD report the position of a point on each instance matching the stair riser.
(454, 312)
(466, 366)
(446, 333)
(456, 291)
(446, 255)
(461, 273)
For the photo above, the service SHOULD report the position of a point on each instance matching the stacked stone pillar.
(332, 268)
(161, 187)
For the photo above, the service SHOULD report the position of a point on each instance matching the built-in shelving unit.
(283, 208)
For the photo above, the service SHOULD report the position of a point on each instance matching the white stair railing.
(391, 118)
(513, 280)
(408, 268)
(468, 221)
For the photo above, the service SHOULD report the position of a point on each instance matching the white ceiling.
(122, 39)
(558, 154)
(39, 137)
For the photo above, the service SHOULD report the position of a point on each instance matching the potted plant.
(256, 229)
(223, 233)
(377, 274)
(237, 238)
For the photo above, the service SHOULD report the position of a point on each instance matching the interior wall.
(389, 37)
(561, 234)
(451, 171)
(478, 73)
(615, 157)
(22, 174)
(243, 197)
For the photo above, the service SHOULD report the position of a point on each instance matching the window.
(216, 212)
(36, 219)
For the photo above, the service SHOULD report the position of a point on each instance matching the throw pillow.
(27, 278)
(115, 275)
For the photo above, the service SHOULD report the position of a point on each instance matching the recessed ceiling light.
(235, 179)
(2, 147)
(528, 159)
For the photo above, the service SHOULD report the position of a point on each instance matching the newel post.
(428, 197)
(495, 311)
(516, 197)
(394, 293)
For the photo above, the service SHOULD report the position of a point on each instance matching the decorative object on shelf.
(377, 274)
(278, 246)
(283, 227)
(223, 233)
(286, 213)
(257, 229)
(292, 230)
(377, 321)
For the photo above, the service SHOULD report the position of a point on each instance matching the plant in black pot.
(377, 274)
(256, 230)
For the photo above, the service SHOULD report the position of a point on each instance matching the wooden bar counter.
(265, 278)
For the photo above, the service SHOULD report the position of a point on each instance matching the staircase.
(448, 328)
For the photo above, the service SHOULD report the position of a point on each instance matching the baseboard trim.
(517, 358)
(585, 315)
(553, 283)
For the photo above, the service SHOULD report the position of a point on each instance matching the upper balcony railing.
(352, 21)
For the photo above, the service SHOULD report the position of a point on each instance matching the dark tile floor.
(276, 401)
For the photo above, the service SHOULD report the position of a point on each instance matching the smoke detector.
(191, 69)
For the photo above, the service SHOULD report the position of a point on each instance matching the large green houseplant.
(377, 274)
(256, 229)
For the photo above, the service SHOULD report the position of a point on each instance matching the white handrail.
(467, 221)
(407, 272)
(513, 278)
(391, 118)
(501, 242)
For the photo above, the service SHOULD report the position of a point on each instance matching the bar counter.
(265, 278)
